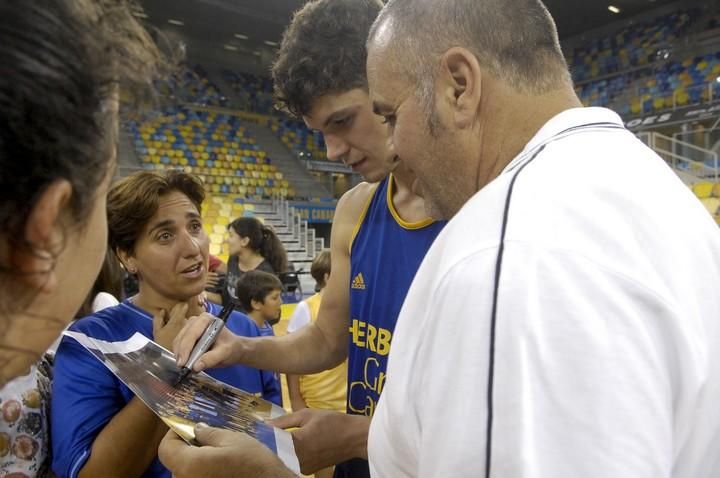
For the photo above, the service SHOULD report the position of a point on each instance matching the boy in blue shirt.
(259, 294)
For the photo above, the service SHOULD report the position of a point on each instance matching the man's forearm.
(127, 444)
(303, 352)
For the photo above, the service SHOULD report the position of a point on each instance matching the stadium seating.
(255, 93)
(191, 85)
(709, 195)
(663, 83)
(298, 138)
(217, 147)
(633, 46)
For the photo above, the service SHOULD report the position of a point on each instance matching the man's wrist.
(241, 348)
(358, 435)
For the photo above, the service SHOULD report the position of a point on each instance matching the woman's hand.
(166, 326)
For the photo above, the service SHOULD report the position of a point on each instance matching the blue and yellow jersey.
(385, 253)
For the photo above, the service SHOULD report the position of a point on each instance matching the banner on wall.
(316, 214)
(680, 115)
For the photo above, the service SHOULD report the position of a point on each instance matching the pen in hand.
(206, 341)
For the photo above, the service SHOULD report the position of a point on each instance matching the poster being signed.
(150, 372)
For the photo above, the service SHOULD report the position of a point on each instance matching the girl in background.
(253, 246)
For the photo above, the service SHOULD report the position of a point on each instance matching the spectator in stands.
(326, 390)
(259, 295)
(60, 63)
(380, 235)
(156, 230)
(253, 246)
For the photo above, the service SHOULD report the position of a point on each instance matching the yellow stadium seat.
(716, 190)
(712, 205)
(218, 229)
(217, 238)
(215, 249)
(703, 190)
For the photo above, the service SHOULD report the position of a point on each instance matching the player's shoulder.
(352, 204)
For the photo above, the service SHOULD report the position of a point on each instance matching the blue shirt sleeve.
(85, 397)
(272, 391)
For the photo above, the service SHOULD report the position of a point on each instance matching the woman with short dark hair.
(156, 230)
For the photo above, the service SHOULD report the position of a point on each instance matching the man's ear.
(35, 257)
(462, 78)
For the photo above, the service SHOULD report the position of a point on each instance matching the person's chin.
(374, 177)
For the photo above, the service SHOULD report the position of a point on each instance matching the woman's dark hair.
(133, 200)
(263, 240)
(61, 63)
(323, 51)
(110, 280)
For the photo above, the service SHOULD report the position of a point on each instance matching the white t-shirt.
(300, 317)
(607, 342)
(103, 300)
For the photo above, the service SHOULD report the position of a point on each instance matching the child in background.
(325, 390)
(258, 293)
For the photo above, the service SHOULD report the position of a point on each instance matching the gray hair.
(515, 41)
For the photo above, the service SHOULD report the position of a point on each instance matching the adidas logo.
(358, 282)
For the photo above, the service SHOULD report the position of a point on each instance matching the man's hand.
(325, 438)
(167, 325)
(223, 353)
(222, 454)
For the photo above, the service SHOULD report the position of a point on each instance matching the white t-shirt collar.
(563, 121)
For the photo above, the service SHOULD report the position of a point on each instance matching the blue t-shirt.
(266, 330)
(86, 395)
(384, 256)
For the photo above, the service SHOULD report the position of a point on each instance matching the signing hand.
(223, 352)
(222, 454)
(325, 438)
